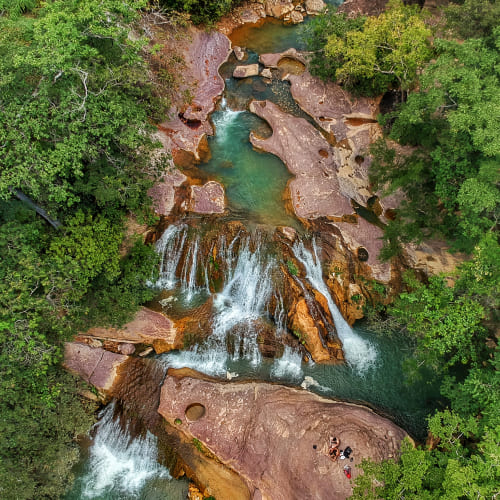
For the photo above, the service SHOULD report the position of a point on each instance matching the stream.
(239, 298)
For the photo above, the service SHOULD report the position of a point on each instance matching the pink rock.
(95, 365)
(275, 437)
(207, 199)
(163, 193)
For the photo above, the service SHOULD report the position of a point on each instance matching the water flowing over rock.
(275, 437)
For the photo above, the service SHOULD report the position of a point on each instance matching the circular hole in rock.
(359, 159)
(323, 153)
(362, 254)
(194, 412)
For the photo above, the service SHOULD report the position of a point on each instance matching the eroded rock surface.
(147, 327)
(203, 57)
(95, 365)
(275, 437)
(208, 199)
(315, 190)
(246, 70)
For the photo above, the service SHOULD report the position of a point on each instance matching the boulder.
(315, 190)
(266, 73)
(295, 17)
(207, 199)
(275, 437)
(239, 53)
(96, 366)
(163, 192)
(279, 8)
(246, 71)
(147, 327)
(314, 7)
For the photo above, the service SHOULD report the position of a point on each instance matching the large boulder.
(314, 7)
(96, 366)
(279, 8)
(275, 437)
(147, 327)
(163, 192)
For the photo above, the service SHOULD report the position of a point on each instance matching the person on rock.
(333, 450)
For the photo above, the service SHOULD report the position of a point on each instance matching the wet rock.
(126, 348)
(239, 53)
(147, 327)
(315, 190)
(272, 60)
(96, 366)
(246, 71)
(207, 199)
(314, 7)
(266, 433)
(288, 232)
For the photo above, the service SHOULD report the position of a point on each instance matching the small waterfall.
(244, 298)
(360, 354)
(170, 247)
(223, 119)
(119, 465)
(189, 287)
(289, 366)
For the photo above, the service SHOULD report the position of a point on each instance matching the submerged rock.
(239, 53)
(275, 437)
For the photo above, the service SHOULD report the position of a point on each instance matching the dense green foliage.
(75, 107)
(449, 172)
(371, 55)
(201, 11)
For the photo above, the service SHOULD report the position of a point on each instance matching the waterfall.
(289, 366)
(359, 353)
(119, 465)
(170, 246)
(189, 287)
(223, 120)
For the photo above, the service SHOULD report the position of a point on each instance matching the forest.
(79, 103)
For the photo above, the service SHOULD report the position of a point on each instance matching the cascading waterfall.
(359, 353)
(119, 465)
(223, 120)
(289, 366)
(189, 272)
(170, 246)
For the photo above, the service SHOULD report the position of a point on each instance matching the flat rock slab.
(315, 191)
(147, 327)
(246, 71)
(267, 434)
(208, 199)
(163, 192)
(96, 366)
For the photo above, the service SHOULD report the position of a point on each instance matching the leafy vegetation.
(75, 107)
(201, 11)
(372, 55)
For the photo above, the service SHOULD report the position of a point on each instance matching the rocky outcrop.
(314, 7)
(163, 192)
(275, 437)
(246, 71)
(203, 57)
(315, 190)
(95, 365)
(207, 199)
(147, 327)
(354, 8)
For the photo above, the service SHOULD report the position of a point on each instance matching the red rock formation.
(275, 437)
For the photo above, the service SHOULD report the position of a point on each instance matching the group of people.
(334, 453)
